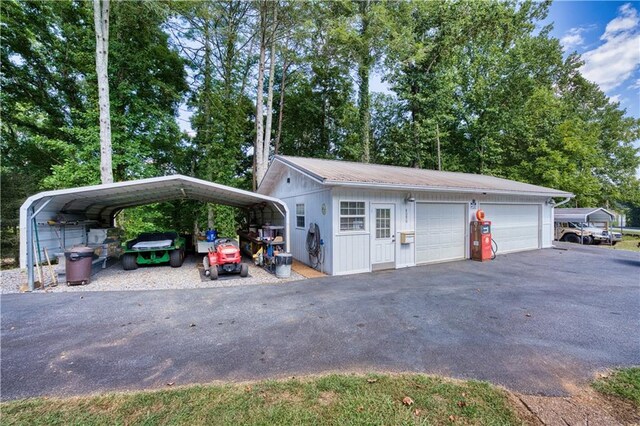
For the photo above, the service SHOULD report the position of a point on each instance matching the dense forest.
(476, 87)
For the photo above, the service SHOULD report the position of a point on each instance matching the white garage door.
(514, 227)
(440, 232)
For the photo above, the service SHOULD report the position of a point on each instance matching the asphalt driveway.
(536, 322)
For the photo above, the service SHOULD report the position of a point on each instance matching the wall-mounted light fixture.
(550, 202)
(409, 198)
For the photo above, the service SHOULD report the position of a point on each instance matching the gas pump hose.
(494, 251)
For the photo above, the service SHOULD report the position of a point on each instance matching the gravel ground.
(114, 278)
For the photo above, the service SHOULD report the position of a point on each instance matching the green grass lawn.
(624, 383)
(328, 400)
(629, 242)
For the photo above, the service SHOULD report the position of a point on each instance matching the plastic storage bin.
(78, 265)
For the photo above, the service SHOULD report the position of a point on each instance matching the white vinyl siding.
(300, 222)
(440, 232)
(514, 227)
(352, 216)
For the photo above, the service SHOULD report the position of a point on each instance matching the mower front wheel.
(175, 258)
(244, 270)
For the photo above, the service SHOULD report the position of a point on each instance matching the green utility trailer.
(151, 248)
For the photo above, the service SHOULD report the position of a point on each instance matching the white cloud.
(570, 41)
(635, 84)
(573, 38)
(614, 99)
(613, 62)
(626, 20)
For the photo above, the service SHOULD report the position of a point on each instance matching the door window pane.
(383, 223)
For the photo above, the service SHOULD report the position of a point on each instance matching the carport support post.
(30, 252)
(581, 233)
(31, 255)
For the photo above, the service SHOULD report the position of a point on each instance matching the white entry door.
(440, 232)
(383, 237)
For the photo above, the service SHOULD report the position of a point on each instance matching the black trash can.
(78, 265)
(283, 265)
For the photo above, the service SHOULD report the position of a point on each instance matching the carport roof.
(101, 201)
(588, 214)
(378, 176)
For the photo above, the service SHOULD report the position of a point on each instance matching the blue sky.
(607, 36)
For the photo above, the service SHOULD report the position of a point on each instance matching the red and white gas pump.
(481, 238)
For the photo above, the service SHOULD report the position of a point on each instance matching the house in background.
(373, 217)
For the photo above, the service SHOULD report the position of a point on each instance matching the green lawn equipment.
(151, 248)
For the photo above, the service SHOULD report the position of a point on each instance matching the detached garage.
(355, 217)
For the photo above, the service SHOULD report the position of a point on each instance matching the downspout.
(566, 200)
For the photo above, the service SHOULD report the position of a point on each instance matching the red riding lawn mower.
(224, 257)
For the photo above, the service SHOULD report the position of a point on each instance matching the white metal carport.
(100, 203)
(584, 215)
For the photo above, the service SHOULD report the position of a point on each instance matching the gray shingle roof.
(334, 172)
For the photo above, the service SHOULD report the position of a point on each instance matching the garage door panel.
(440, 232)
(514, 227)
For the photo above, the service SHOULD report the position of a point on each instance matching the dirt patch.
(272, 398)
(327, 398)
(584, 407)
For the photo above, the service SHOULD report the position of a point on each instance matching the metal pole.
(30, 253)
(47, 201)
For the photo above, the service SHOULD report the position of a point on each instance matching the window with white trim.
(352, 216)
(300, 216)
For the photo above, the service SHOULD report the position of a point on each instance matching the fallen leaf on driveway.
(192, 325)
(407, 401)
(527, 315)
(171, 383)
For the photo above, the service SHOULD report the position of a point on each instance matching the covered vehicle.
(598, 234)
(151, 248)
(570, 233)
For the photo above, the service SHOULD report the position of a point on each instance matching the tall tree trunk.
(438, 142)
(205, 106)
(272, 70)
(101, 21)
(281, 107)
(258, 150)
(263, 138)
(364, 68)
